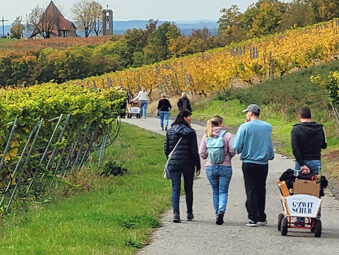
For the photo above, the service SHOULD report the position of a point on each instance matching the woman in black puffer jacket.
(185, 161)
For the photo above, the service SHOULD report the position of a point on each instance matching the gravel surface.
(203, 236)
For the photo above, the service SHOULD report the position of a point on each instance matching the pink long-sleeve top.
(228, 148)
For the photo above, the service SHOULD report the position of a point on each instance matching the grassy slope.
(115, 218)
(4, 41)
(280, 100)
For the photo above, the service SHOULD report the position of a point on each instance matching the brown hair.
(214, 122)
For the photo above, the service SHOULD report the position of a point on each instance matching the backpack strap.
(221, 133)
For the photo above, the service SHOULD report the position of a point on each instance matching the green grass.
(4, 41)
(114, 218)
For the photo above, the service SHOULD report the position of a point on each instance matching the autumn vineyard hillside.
(250, 61)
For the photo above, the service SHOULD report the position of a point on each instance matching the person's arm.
(169, 104)
(195, 153)
(137, 97)
(238, 141)
(324, 143)
(296, 148)
(166, 146)
(159, 105)
(228, 140)
(203, 148)
(271, 149)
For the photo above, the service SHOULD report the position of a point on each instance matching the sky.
(169, 10)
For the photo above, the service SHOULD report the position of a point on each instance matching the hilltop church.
(53, 24)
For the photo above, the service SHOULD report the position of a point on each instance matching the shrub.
(113, 168)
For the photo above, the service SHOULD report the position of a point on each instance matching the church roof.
(53, 21)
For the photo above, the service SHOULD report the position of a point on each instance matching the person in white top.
(142, 97)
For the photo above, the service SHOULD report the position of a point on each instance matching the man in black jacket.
(308, 138)
(185, 161)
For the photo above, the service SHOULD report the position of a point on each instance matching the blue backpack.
(215, 148)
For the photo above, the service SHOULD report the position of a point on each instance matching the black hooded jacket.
(185, 156)
(307, 138)
(184, 104)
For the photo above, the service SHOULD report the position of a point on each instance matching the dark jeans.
(255, 185)
(176, 174)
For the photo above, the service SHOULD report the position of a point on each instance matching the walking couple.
(253, 141)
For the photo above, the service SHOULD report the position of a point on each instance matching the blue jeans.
(143, 106)
(176, 187)
(219, 177)
(313, 165)
(164, 118)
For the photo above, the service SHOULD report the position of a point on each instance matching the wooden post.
(139, 83)
(109, 82)
(271, 74)
(177, 82)
(103, 83)
(94, 85)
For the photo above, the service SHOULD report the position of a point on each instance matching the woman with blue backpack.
(216, 147)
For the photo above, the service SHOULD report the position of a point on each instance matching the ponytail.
(209, 129)
(214, 122)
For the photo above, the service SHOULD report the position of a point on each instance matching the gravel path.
(203, 236)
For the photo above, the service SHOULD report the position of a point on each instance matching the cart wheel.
(138, 116)
(317, 228)
(280, 217)
(284, 226)
(313, 224)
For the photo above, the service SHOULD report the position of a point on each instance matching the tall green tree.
(229, 17)
(268, 19)
(157, 48)
(329, 9)
(17, 28)
(298, 13)
(136, 41)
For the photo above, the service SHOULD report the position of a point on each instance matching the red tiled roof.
(54, 21)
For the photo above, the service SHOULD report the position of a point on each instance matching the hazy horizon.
(175, 10)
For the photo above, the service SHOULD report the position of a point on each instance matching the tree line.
(155, 43)
(135, 48)
(271, 16)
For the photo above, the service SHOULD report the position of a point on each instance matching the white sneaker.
(251, 224)
(262, 223)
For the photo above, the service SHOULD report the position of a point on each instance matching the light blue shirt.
(253, 141)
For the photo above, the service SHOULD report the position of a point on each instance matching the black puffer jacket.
(186, 156)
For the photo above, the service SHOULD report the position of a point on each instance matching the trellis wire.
(54, 160)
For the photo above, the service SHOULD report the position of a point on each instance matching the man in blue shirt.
(253, 141)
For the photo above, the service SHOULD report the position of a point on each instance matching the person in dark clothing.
(185, 161)
(163, 110)
(307, 139)
(184, 103)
